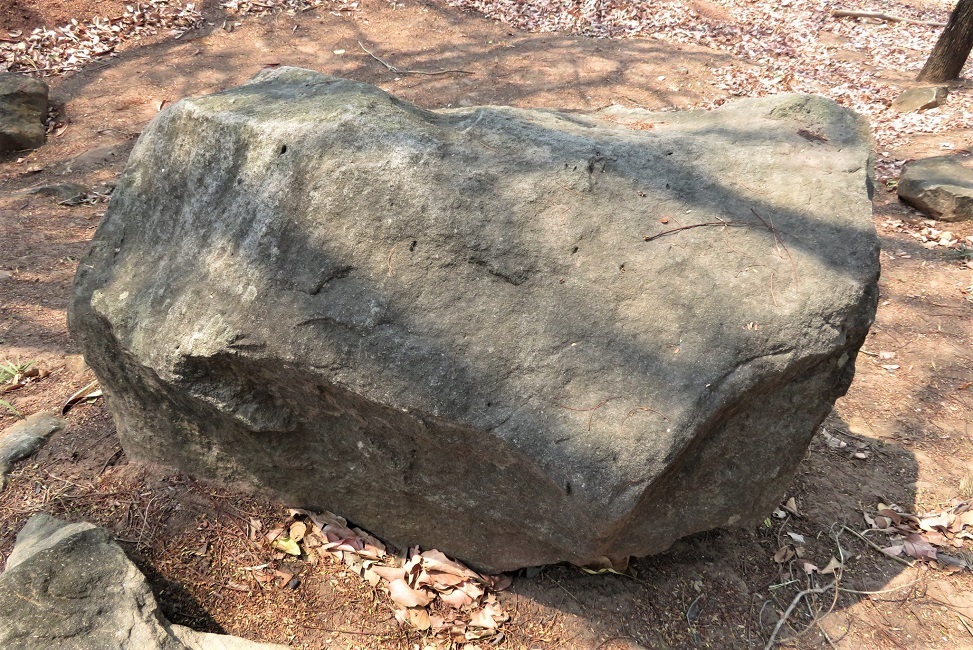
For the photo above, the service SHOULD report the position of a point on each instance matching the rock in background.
(450, 327)
(920, 99)
(23, 108)
(24, 438)
(939, 187)
(70, 586)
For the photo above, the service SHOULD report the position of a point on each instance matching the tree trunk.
(953, 47)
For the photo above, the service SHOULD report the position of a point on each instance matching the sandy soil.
(715, 590)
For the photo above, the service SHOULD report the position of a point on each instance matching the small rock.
(23, 107)
(920, 99)
(62, 191)
(6, 275)
(99, 156)
(24, 438)
(69, 585)
(940, 187)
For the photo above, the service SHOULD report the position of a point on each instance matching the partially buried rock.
(24, 438)
(940, 187)
(467, 329)
(70, 586)
(23, 108)
(920, 99)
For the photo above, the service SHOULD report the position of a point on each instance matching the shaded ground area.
(911, 424)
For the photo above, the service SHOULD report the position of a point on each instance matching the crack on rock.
(515, 278)
(339, 273)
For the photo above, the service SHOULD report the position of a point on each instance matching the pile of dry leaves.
(932, 237)
(791, 46)
(427, 590)
(924, 537)
(55, 51)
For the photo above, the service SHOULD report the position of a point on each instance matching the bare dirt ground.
(911, 426)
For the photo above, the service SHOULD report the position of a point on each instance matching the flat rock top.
(941, 170)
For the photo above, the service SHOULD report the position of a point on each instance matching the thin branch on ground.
(392, 68)
(878, 548)
(877, 15)
(790, 610)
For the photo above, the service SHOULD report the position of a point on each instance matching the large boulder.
(69, 586)
(450, 327)
(940, 187)
(23, 108)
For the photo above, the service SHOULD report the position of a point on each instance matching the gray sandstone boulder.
(940, 187)
(23, 108)
(449, 327)
(70, 586)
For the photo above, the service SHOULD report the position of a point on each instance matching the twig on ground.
(790, 609)
(878, 548)
(108, 462)
(392, 68)
(877, 15)
(565, 590)
(965, 624)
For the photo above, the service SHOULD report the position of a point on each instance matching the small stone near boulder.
(23, 108)
(940, 187)
(920, 99)
(469, 329)
(70, 586)
(24, 438)
(60, 191)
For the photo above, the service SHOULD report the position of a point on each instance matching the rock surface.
(24, 438)
(70, 586)
(23, 108)
(920, 99)
(448, 326)
(940, 187)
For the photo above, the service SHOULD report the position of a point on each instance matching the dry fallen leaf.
(297, 530)
(91, 391)
(401, 593)
(287, 545)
